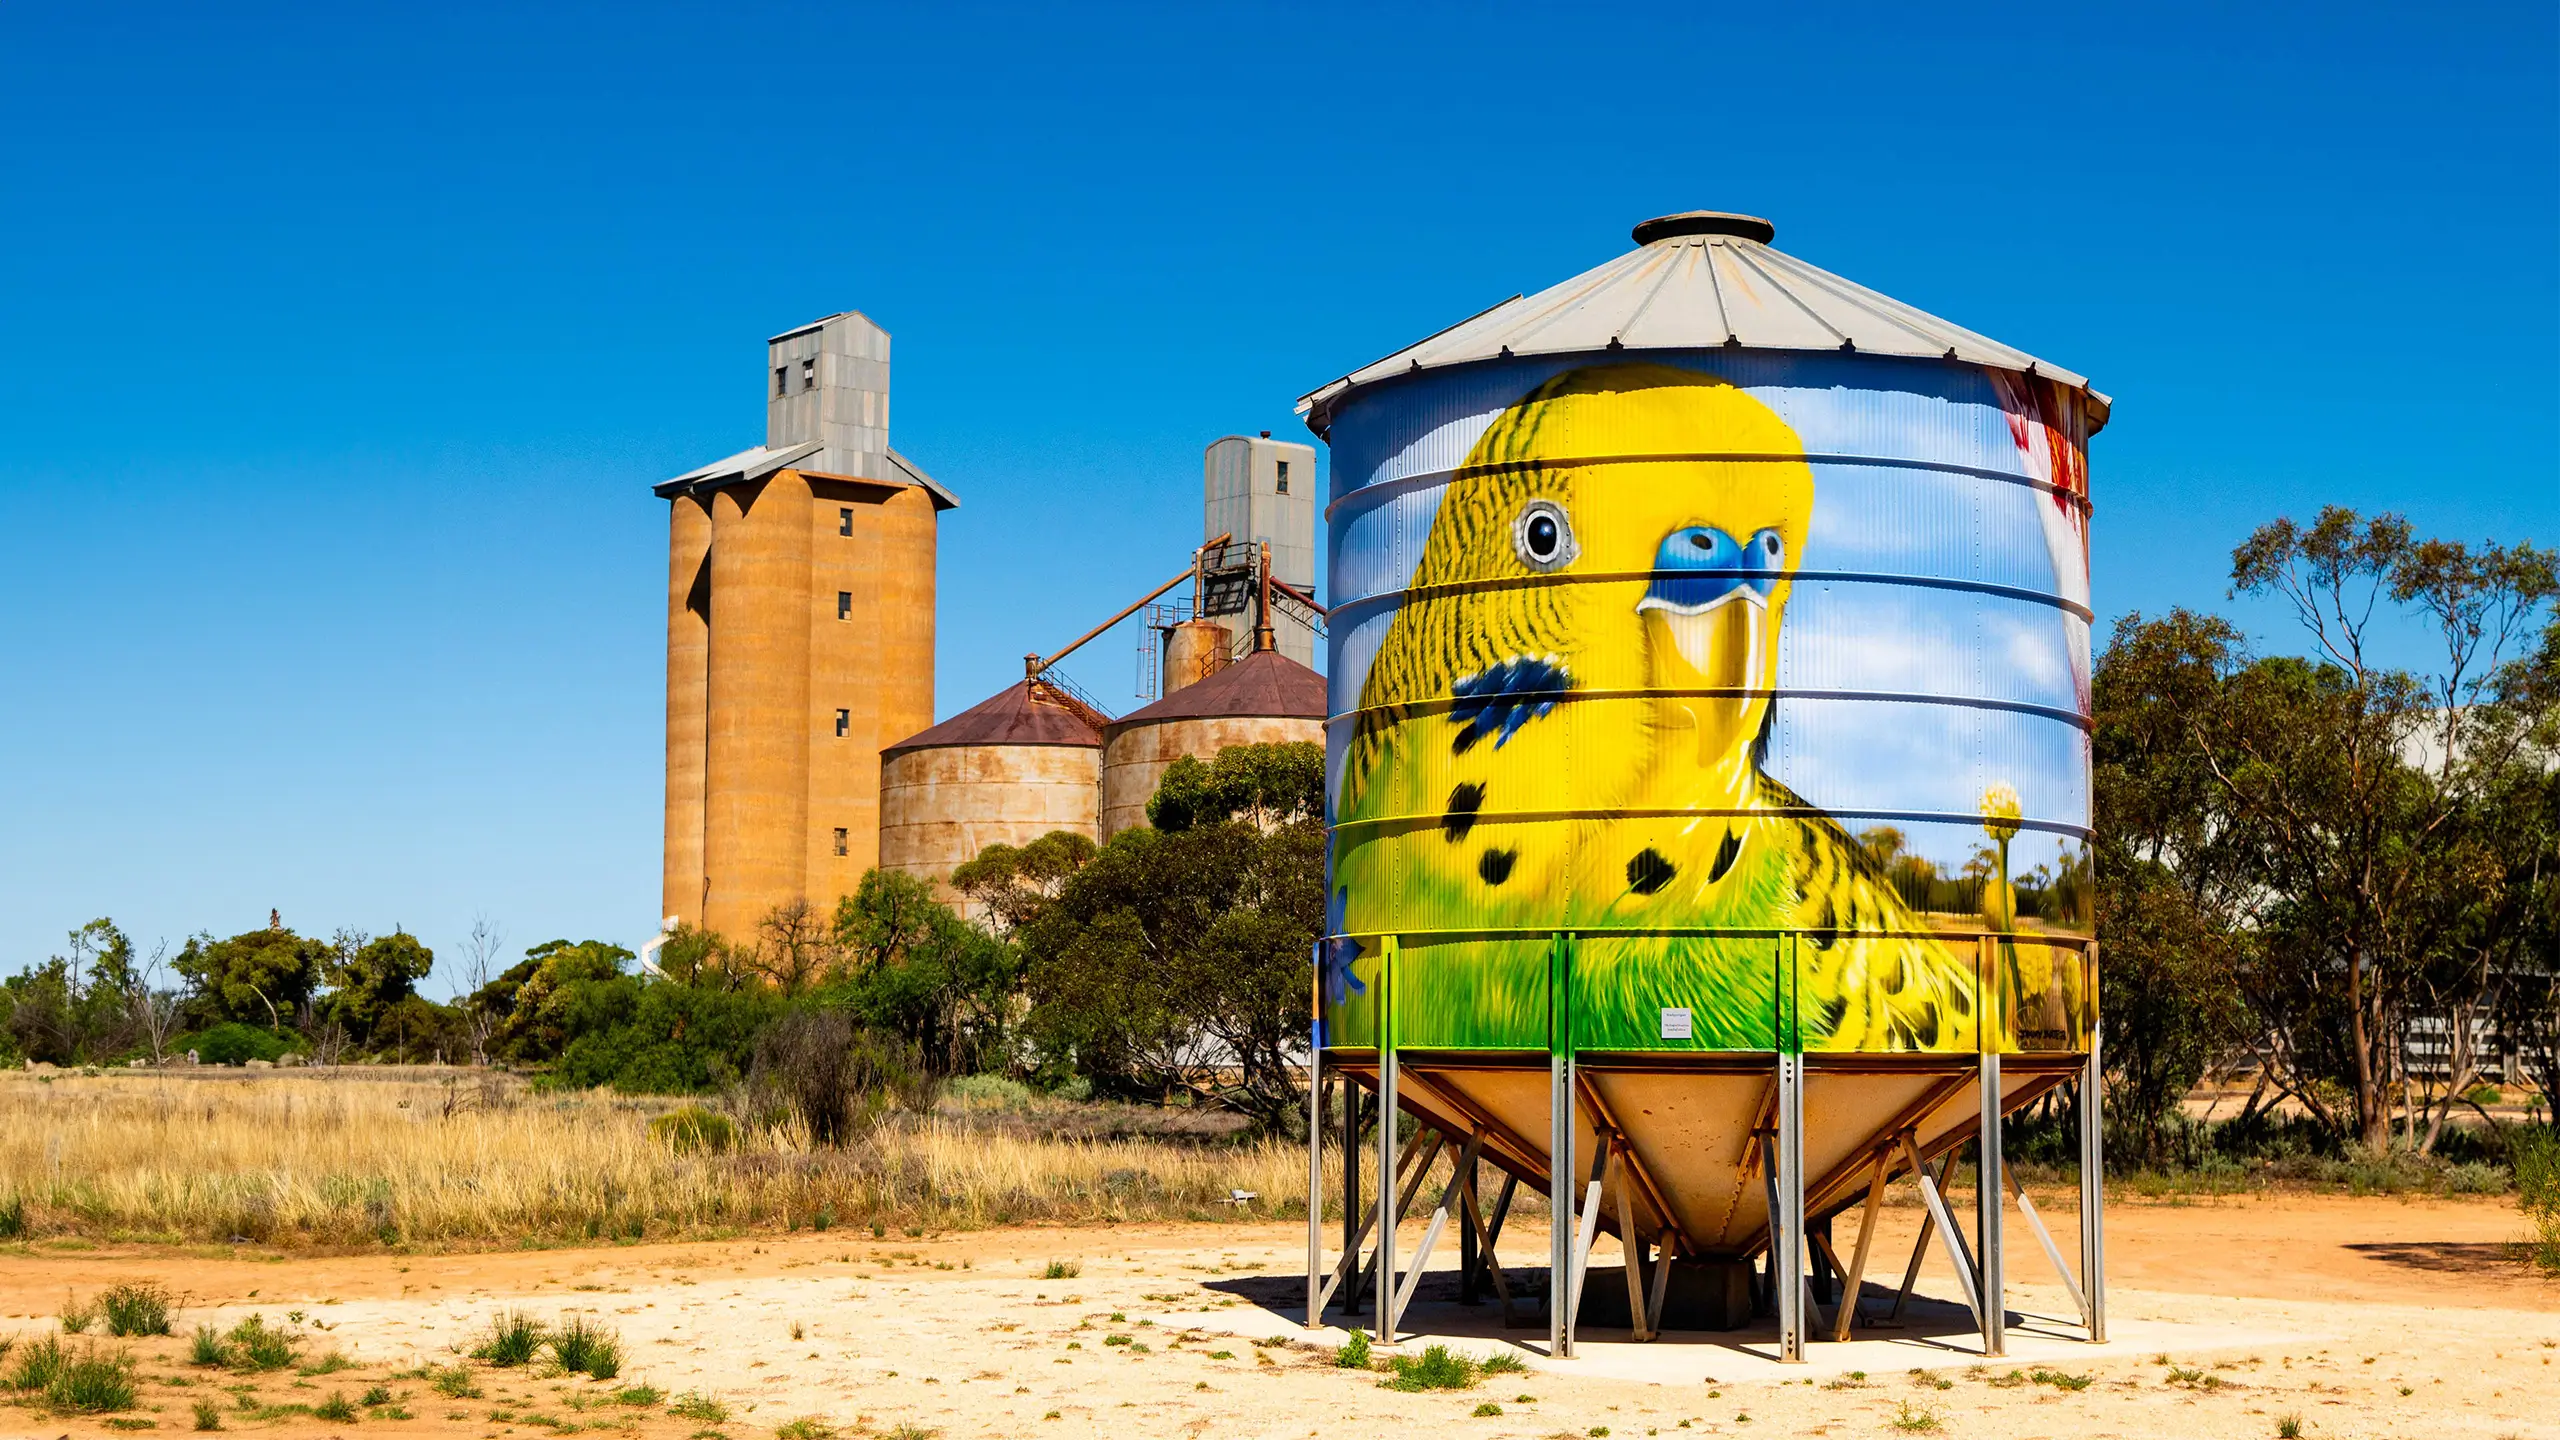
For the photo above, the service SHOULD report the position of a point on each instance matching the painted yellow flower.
(2000, 811)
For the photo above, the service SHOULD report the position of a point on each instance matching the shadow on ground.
(2446, 1257)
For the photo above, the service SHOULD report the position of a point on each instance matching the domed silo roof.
(1263, 698)
(1700, 278)
(1015, 766)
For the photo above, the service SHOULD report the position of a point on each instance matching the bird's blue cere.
(1700, 565)
(1499, 700)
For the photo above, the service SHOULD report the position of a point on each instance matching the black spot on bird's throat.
(1725, 852)
(1495, 865)
(1649, 872)
(1464, 802)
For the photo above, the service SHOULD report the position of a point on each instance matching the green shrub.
(91, 1382)
(208, 1415)
(1062, 1270)
(13, 1217)
(136, 1309)
(232, 1043)
(255, 1346)
(207, 1349)
(807, 1427)
(638, 1395)
(693, 1128)
(2536, 1154)
(1487, 1408)
(336, 1407)
(1503, 1364)
(514, 1338)
(38, 1362)
(454, 1381)
(2288, 1427)
(1354, 1352)
(378, 1395)
(1437, 1368)
(584, 1347)
(329, 1364)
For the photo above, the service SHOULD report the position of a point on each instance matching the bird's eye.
(1543, 536)
(1771, 545)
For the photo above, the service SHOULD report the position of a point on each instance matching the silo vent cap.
(1705, 222)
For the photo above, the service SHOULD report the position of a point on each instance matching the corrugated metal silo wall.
(1569, 728)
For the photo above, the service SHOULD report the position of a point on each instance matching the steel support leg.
(1350, 1187)
(1315, 1175)
(2093, 1193)
(1989, 1211)
(1787, 1226)
(1387, 1217)
(1561, 1170)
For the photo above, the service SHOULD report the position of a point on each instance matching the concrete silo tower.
(1257, 492)
(799, 636)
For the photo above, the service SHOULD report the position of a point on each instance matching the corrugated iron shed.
(1023, 713)
(1698, 280)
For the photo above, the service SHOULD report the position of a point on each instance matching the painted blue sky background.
(338, 347)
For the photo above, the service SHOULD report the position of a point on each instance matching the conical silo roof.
(1266, 684)
(1026, 712)
(1699, 280)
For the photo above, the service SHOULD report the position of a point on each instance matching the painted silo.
(1006, 771)
(1710, 638)
(1264, 698)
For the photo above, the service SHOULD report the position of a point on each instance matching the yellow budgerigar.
(1562, 730)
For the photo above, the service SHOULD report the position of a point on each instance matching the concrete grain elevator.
(800, 603)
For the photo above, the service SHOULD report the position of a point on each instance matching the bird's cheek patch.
(1464, 802)
(1494, 866)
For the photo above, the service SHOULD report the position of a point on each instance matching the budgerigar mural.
(1565, 721)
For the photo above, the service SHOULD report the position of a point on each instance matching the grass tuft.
(208, 1415)
(91, 1382)
(1353, 1354)
(1487, 1408)
(513, 1339)
(137, 1309)
(336, 1407)
(37, 1364)
(1437, 1368)
(695, 1405)
(639, 1395)
(584, 1347)
(2288, 1427)
(1063, 1270)
(77, 1315)
(454, 1381)
(1917, 1419)
(807, 1427)
(253, 1345)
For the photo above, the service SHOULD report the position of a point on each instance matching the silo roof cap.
(1701, 279)
(1263, 685)
(1027, 712)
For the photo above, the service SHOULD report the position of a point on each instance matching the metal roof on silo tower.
(1699, 279)
(1265, 684)
(1027, 712)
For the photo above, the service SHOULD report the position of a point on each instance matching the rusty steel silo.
(1017, 765)
(1708, 767)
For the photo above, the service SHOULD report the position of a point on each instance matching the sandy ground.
(2357, 1316)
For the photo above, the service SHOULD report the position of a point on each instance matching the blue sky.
(338, 347)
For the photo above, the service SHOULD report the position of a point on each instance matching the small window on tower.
(844, 604)
(781, 380)
(839, 839)
(844, 521)
(1284, 477)
(844, 723)
(809, 374)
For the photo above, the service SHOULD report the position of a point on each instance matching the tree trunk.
(2373, 1115)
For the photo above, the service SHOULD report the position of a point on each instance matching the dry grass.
(346, 1160)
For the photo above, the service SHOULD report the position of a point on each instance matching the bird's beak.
(1721, 645)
